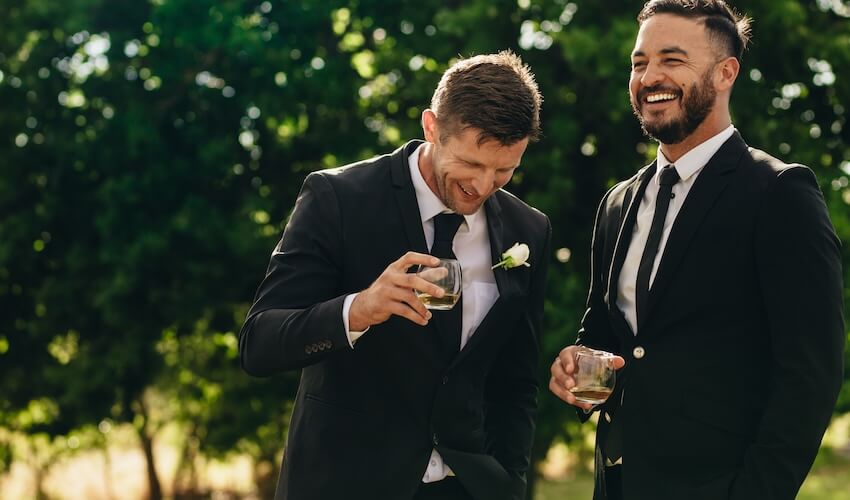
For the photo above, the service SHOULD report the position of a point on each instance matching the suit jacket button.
(307, 349)
(435, 440)
(445, 379)
(639, 352)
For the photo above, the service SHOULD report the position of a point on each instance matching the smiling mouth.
(467, 193)
(660, 97)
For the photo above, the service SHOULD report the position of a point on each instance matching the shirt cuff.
(346, 306)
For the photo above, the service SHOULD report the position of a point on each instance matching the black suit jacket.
(366, 419)
(742, 343)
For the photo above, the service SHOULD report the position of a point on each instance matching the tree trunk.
(154, 489)
(39, 474)
(185, 483)
(146, 438)
(107, 472)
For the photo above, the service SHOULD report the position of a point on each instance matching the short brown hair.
(494, 93)
(724, 25)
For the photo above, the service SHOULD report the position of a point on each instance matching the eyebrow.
(666, 50)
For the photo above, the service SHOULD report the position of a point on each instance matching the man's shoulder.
(619, 189)
(357, 171)
(617, 194)
(511, 203)
(768, 169)
(768, 163)
(364, 177)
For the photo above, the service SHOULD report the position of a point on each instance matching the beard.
(696, 105)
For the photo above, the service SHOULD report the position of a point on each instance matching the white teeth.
(660, 97)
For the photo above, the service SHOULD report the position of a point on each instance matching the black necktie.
(667, 178)
(449, 322)
(445, 227)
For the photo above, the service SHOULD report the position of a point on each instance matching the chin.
(467, 208)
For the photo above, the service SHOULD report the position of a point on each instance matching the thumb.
(619, 362)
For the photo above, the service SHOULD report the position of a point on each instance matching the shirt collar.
(429, 204)
(694, 160)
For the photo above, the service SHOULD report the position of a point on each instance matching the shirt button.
(433, 463)
(639, 352)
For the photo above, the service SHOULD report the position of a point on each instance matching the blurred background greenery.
(150, 152)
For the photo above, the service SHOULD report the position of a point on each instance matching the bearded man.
(716, 277)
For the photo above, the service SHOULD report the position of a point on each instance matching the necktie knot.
(445, 227)
(668, 176)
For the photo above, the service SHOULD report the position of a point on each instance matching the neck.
(426, 167)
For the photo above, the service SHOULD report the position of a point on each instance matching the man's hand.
(393, 293)
(563, 369)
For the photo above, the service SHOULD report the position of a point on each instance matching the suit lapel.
(631, 202)
(510, 282)
(499, 242)
(406, 197)
(703, 194)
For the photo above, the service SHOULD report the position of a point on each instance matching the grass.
(828, 480)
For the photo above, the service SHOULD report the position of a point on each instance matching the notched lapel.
(498, 316)
(512, 283)
(703, 194)
(406, 197)
(631, 199)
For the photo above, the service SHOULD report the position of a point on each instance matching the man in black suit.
(397, 402)
(716, 275)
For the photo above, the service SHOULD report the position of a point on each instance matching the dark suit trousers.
(447, 489)
(614, 482)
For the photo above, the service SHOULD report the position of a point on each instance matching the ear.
(726, 72)
(430, 127)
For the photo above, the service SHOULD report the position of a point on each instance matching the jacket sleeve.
(296, 318)
(799, 268)
(512, 384)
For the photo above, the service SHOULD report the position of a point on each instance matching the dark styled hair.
(726, 27)
(494, 93)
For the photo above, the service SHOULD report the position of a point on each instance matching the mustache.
(657, 88)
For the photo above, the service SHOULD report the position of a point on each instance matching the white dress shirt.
(688, 167)
(471, 246)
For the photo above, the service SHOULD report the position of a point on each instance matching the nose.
(652, 75)
(484, 182)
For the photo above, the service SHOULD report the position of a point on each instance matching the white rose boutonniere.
(514, 256)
